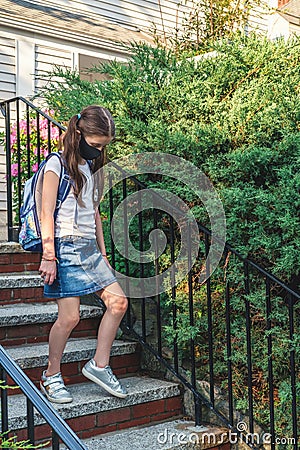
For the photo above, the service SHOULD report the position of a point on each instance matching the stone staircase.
(102, 420)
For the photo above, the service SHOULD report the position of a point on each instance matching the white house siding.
(260, 16)
(7, 67)
(8, 90)
(278, 26)
(45, 58)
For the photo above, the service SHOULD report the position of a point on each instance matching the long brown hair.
(92, 120)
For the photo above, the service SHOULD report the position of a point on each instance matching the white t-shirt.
(73, 219)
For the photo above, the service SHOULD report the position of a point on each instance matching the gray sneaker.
(54, 388)
(105, 378)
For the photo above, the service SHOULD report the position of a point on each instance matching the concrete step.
(24, 313)
(33, 359)
(171, 435)
(26, 323)
(12, 280)
(93, 411)
(35, 355)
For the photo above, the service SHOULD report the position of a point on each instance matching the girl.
(74, 260)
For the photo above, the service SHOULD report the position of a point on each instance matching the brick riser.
(17, 295)
(118, 419)
(32, 334)
(19, 262)
(122, 365)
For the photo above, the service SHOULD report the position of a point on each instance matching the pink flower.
(13, 135)
(55, 133)
(44, 124)
(44, 133)
(14, 170)
(13, 139)
(23, 125)
(35, 167)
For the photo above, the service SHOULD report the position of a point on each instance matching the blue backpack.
(30, 233)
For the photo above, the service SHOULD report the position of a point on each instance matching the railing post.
(126, 237)
(174, 305)
(8, 172)
(270, 361)
(141, 265)
(293, 369)
(229, 363)
(28, 141)
(49, 136)
(192, 324)
(198, 410)
(4, 405)
(157, 295)
(55, 440)
(18, 188)
(38, 138)
(209, 323)
(249, 345)
(30, 421)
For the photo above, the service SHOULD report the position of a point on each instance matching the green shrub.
(235, 115)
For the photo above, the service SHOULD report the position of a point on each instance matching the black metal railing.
(34, 401)
(29, 135)
(232, 341)
(247, 316)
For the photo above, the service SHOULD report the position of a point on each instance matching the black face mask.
(88, 151)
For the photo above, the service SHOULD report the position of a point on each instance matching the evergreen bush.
(234, 114)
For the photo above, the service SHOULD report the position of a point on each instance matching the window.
(87, 62)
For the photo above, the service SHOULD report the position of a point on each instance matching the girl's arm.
(99, 233)
(49, 196)
(100, 238)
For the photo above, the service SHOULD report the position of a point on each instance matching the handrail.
(31, 105)
(52, 417)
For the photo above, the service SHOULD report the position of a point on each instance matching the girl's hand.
(48, 271)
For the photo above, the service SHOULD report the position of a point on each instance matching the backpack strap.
(64, 183)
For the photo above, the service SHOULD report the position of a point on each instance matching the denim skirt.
(81, 268)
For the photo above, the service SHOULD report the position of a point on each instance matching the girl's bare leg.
(116, 304)
(68, 318)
